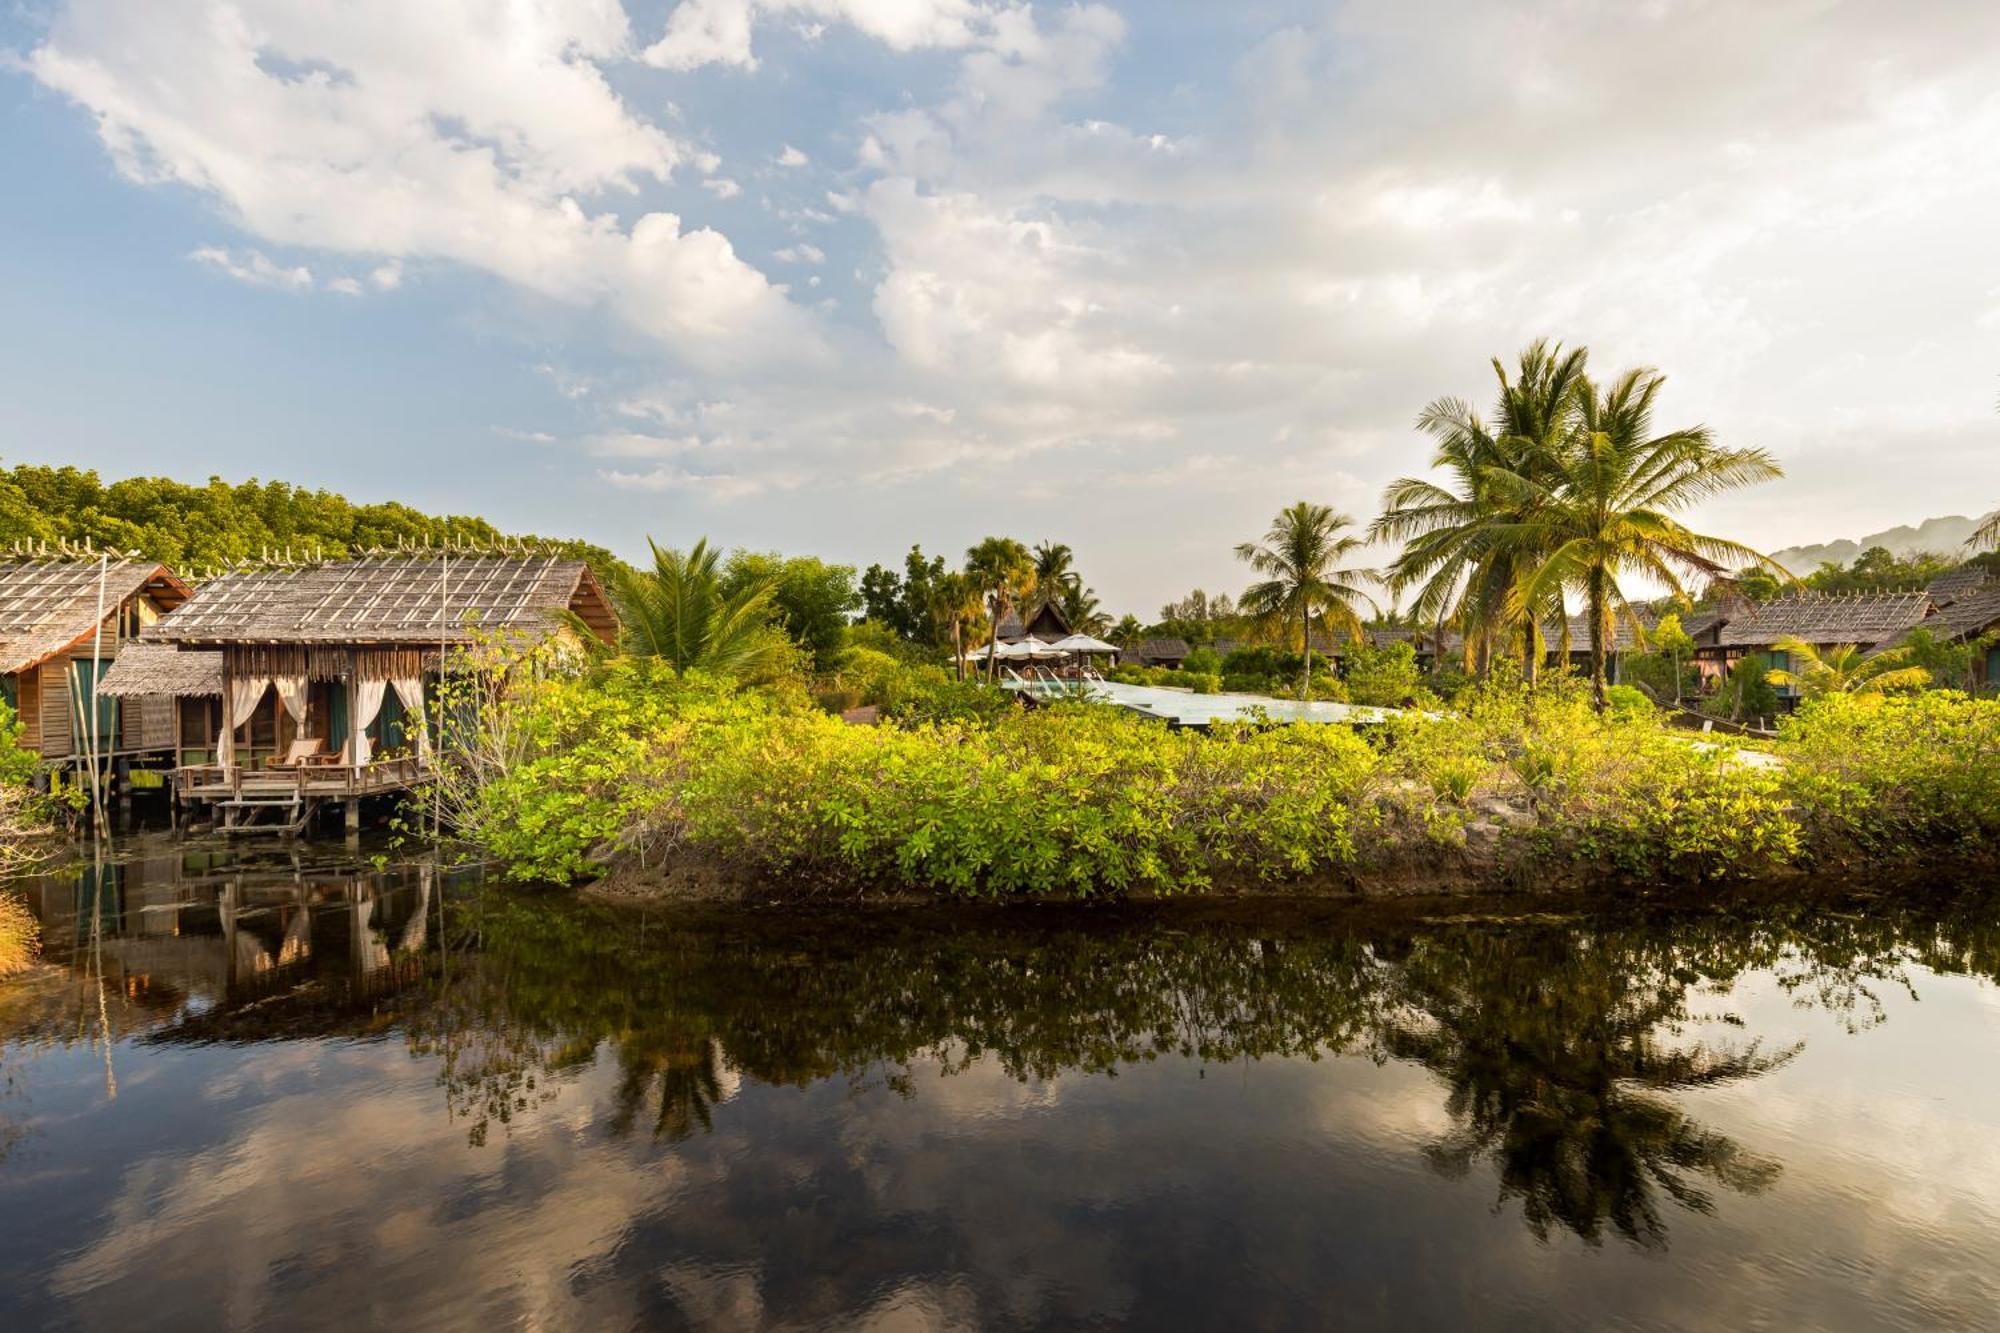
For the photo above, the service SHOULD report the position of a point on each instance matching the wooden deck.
(214, 783)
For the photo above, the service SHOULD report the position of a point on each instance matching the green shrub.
(1384, 677)
(1203, 662)
(1895, 774)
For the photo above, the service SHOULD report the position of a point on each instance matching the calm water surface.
(267, 1090)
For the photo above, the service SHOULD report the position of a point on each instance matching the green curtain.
(86, 676)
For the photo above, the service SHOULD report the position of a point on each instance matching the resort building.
(1044, 622)
(1167, 652)
(296, 685)
(63, 621)
(1824, 620)
(1972, 614)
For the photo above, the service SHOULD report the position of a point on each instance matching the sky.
(836, 276)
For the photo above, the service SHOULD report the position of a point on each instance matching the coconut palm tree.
(1127, 631)
(1301, 559)
(1453, 554)
(1604, 506)
(679, 612)
(1004, 573)
(1841, 669)
(955, 602)
(1055, 569)
(1080, 608)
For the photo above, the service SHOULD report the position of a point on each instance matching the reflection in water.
(1572, 1066)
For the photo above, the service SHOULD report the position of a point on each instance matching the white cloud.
(703, 32)
(1249, 280)
(257, 268)
(476, 131)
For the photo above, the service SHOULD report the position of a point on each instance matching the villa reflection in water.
(1379, 1104)
(178, 936)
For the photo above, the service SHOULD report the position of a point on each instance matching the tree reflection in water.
(1565, 1047)
(1559, 1051)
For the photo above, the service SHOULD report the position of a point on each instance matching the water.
(254, 1092)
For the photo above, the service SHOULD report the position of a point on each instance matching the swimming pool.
(1184, 708)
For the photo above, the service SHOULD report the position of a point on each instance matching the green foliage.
(1951, 664)
(1383, 677)
(1071, 799)
(1304, 580)
(810, 599)
(1745, 692)
(1896, 775)
(1844, 669)
(1878, 570)
(27, 819)
(1614, 792)
(961, 793)
(682, 613)
(1203, 661)
(192, 527)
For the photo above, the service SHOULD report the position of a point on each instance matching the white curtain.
(244, 696)
(367, 703)
(292, 693)
(411, 691)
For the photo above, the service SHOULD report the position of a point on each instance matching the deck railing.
(210, 782)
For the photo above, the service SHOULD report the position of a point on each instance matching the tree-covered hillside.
(194, 528)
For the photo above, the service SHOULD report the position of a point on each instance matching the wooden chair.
(304, 751)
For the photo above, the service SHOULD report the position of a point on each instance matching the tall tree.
(956, 600)
(680, 612)
(1604, 509)
(1454, 554)
(1004, 573)
(1301, 559)
(1055, 569)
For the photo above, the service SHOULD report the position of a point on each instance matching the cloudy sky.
(839, 275)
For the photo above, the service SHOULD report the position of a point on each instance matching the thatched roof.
(163, 668)
(393, 599)
(1159, 650)
(1956, 583)
(1818, 618)
(1045, 621)
(48, 606)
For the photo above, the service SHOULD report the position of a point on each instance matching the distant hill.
(1944, 536)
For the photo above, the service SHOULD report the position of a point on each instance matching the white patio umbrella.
(1084, 643)
(1030, 649)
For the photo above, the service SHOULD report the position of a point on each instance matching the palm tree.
(1841, 669)
(1080, 608)
(1604, 508)
(1453, 552)
(1127, 631)
(1301, 558)
(1004, 573)
(955, 601)
(678, 611)
(1055, 570)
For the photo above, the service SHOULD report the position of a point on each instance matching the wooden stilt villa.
(304, 685)
(1824, 620)
(65, 618)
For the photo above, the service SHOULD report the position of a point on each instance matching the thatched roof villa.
(321, 671)
(53, 643)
